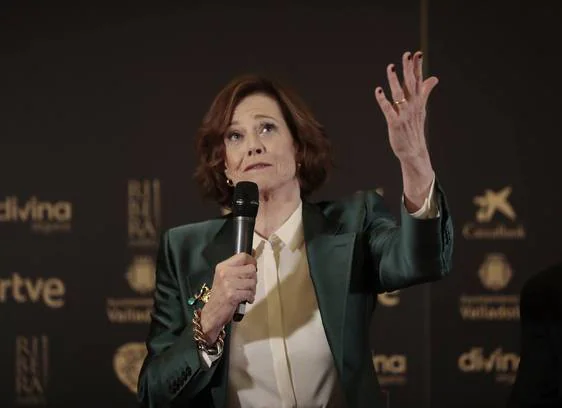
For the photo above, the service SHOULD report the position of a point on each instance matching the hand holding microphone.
(235, 278)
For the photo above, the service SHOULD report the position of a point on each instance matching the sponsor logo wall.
(107, 129)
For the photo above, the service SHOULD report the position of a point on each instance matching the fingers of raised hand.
(396, 89)
(388, 110)
(408, 64)
(412, 93)
(417, 62)
(426, 88)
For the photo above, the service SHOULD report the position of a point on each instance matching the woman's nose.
(255, 146)
(255, 150)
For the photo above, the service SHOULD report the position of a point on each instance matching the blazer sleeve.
(416, 251)
(172, 372)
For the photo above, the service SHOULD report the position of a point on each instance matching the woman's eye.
(234, 136)
(268, 127)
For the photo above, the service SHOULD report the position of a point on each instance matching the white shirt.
(279, 353)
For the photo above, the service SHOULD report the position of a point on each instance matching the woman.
(316, 269)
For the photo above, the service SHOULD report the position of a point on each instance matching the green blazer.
(355, 250)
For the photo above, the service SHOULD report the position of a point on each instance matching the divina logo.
(391, 369)
(44, 216)
(393, 364)
(22, 290)
(498, 362)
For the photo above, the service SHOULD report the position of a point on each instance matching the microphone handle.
(243, 235)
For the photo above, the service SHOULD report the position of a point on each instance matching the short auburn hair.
(313, 148)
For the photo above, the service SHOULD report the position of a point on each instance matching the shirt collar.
(291, 233)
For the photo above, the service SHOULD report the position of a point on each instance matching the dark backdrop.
(98, 108)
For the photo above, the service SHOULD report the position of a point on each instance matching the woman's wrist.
(210, 331)
(206, 340)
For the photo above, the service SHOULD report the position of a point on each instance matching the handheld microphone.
(245, 203)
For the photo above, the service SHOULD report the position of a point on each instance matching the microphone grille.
(245, 200)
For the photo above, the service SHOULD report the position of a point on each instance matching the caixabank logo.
(42, 216)
(495, 304)
(141, 278)
(496, 363)
(495, 217)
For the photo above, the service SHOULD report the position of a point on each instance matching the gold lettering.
(128, 315)
(498, 361)
(4, 286)
(31, 366)
(143, 211)
(51, 291)
(471, 361)
(33, 209)
(394, 364)
(24, 213)
(485, 312)
(17, 284)
(34, 290)
(500, 231)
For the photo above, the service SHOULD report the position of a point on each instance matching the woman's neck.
(276, 207)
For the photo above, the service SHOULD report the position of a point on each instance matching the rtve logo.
(22, 290)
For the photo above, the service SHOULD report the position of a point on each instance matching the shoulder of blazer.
(350, 212)
(195, 235)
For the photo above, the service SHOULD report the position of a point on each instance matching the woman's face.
(259, 145)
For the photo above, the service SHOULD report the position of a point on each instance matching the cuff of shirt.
(429, 208)
(207, 359)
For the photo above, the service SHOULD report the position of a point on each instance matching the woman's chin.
(267, 184)
(261, 180)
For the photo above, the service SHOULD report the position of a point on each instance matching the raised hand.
(405, 115)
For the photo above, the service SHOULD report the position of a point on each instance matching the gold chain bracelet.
(215, 349)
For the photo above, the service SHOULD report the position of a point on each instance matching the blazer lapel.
(220, 248)
(330, 261)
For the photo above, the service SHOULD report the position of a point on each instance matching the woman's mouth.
(257, 166)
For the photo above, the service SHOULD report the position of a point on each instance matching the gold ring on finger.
(400, 101)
